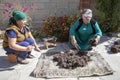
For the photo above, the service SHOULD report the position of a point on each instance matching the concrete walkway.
(15, 71)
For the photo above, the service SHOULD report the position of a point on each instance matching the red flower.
(63, 24)
(58, 26)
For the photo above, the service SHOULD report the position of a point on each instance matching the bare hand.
(74, 42)
(94, 41)
(29, 48)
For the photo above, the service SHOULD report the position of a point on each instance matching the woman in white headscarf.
(85, 32)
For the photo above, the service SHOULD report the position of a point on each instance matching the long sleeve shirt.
(84, 34)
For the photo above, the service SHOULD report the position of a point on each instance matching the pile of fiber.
(71, 60)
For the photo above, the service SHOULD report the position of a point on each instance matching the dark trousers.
(22, 54)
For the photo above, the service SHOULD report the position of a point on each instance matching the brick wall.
(85, 4)
(44, 8)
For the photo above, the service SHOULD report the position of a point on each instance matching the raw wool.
(93, 42)
(115, 48)
(71, 60)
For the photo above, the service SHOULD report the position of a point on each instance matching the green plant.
(111, 19)
(36, 33)
(59, 26)
(17, 5)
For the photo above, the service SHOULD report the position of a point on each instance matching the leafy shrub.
(36, 33)
(111, 20)
(59, 26)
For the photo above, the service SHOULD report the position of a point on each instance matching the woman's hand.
(73, 41)
(97, 39)
(94, 41)
(35, 44)
(29, 48)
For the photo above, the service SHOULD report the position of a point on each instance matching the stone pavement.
(15, 71)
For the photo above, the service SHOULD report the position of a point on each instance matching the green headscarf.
(18, 15)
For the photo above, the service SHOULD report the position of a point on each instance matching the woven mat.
(48, 69)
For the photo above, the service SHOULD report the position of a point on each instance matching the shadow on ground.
(5, 64)
(104, 39)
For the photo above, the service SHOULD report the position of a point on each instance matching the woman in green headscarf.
(18, 38)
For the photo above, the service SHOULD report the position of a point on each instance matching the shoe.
(30, 56)
(22, 61)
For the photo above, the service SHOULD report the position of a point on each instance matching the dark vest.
(92, 21)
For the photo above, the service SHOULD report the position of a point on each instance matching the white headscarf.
(87, 13)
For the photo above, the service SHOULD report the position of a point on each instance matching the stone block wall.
(43, 9)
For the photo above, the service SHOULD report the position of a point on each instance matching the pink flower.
(8, 5)
(30, 17)
(9, 16)
(5, 11)
(25, 9)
